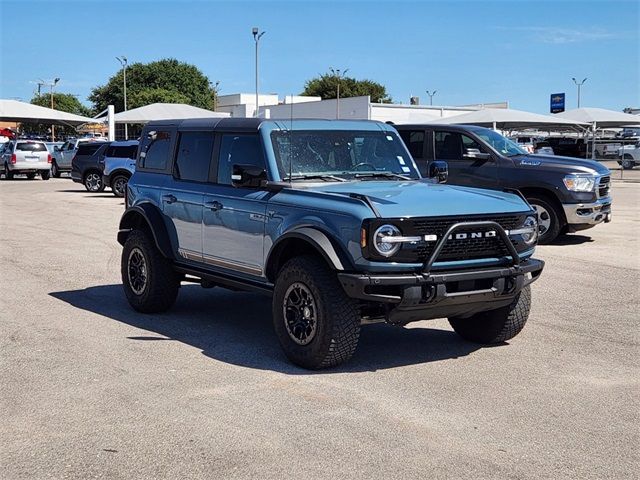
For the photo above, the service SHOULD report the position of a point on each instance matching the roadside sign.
(557, 102)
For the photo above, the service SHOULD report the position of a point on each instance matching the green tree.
(166, 81)
(61, 101)
(326, 86)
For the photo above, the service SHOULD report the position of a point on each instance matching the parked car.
(119, 163)
(330, 218)
(569, 194)
(28, 157)
(63, 155)
(629, 156)
(86, 167)
(543, 148)
(568, 146)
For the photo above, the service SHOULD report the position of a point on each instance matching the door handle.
(169, 198)
(214, 206)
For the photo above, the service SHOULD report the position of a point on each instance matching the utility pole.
(578, 84)
(257, 35)
(431, 95)
(339, 76)
(123, 62)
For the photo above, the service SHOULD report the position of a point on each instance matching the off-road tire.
(45, 174)
(31, 176)
(495, 326)
(337, 315)
(55, 171)
(114, 185)
(627, 162)
(555, 216)
(162, 284)
(86, 181)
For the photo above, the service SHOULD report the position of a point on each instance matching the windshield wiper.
(314, 176)
(382, 175)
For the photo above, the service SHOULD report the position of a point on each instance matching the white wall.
(389, 112)
(350, 108)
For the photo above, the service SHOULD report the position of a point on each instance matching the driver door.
(457, 149)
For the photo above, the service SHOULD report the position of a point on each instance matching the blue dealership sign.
(557, 102)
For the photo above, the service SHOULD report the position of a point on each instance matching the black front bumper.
(423, 296)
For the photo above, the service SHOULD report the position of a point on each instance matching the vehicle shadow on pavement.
(571, 240)
(236, 328)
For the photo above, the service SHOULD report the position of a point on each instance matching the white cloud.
(557, 35)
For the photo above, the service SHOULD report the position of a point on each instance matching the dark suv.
(330, 218)
(86, 167)
(569, 194)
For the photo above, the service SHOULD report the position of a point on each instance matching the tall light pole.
(339, 75)
(214, 87)
(579, 84)
(431, 95)
(53, 128)
(257, 35)
(123, 62)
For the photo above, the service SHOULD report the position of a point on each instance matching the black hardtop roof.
(231, 123)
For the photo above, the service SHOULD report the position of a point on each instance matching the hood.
(563, 165)
(396, 199)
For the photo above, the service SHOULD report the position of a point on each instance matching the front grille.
(603, 187)
(461, 249)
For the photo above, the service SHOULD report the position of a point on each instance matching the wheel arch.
(301, 241)
(148, 218)
(120, 171)
(548, 195)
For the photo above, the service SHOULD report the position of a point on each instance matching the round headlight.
(531, 236)
(382, 240)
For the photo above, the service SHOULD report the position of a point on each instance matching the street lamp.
(53, 128)
(579, 84)
(336, 73)
(123, 62)
(214, 87)
(256, 37)
(431, 95)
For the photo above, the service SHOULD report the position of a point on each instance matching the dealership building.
(354, 108)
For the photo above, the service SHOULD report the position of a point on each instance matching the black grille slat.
(603, 187)
(462, 249)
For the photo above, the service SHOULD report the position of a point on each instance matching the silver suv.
(28, 157)
(119, 163)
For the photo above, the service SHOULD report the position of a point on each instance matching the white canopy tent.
(600, 117)
(21, 112)
(164, 111)
(509, 119)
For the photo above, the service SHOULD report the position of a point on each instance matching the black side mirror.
(439, 171)
(475, 154)
(248, 176)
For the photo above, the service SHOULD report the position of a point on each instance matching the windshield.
(341, 154)
(506, 147)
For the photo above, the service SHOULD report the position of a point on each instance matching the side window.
(238, 150)
(194, 156)
(414, 140)
(448, 146)
(156, 150)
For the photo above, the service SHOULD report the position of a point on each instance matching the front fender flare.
(151, 217)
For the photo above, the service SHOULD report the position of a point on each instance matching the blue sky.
(469, 51)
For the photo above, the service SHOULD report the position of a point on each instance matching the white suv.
(28, 157)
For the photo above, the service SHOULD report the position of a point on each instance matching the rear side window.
(414, 140)
(128, 151)
(193, 158)
(31, 147)
(238, 150)
(156, 150)
(88, 148)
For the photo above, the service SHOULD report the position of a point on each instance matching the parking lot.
(91, 389)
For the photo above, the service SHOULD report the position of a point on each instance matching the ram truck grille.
(603, 187)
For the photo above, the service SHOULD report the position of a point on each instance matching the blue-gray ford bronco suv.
(330, 218)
